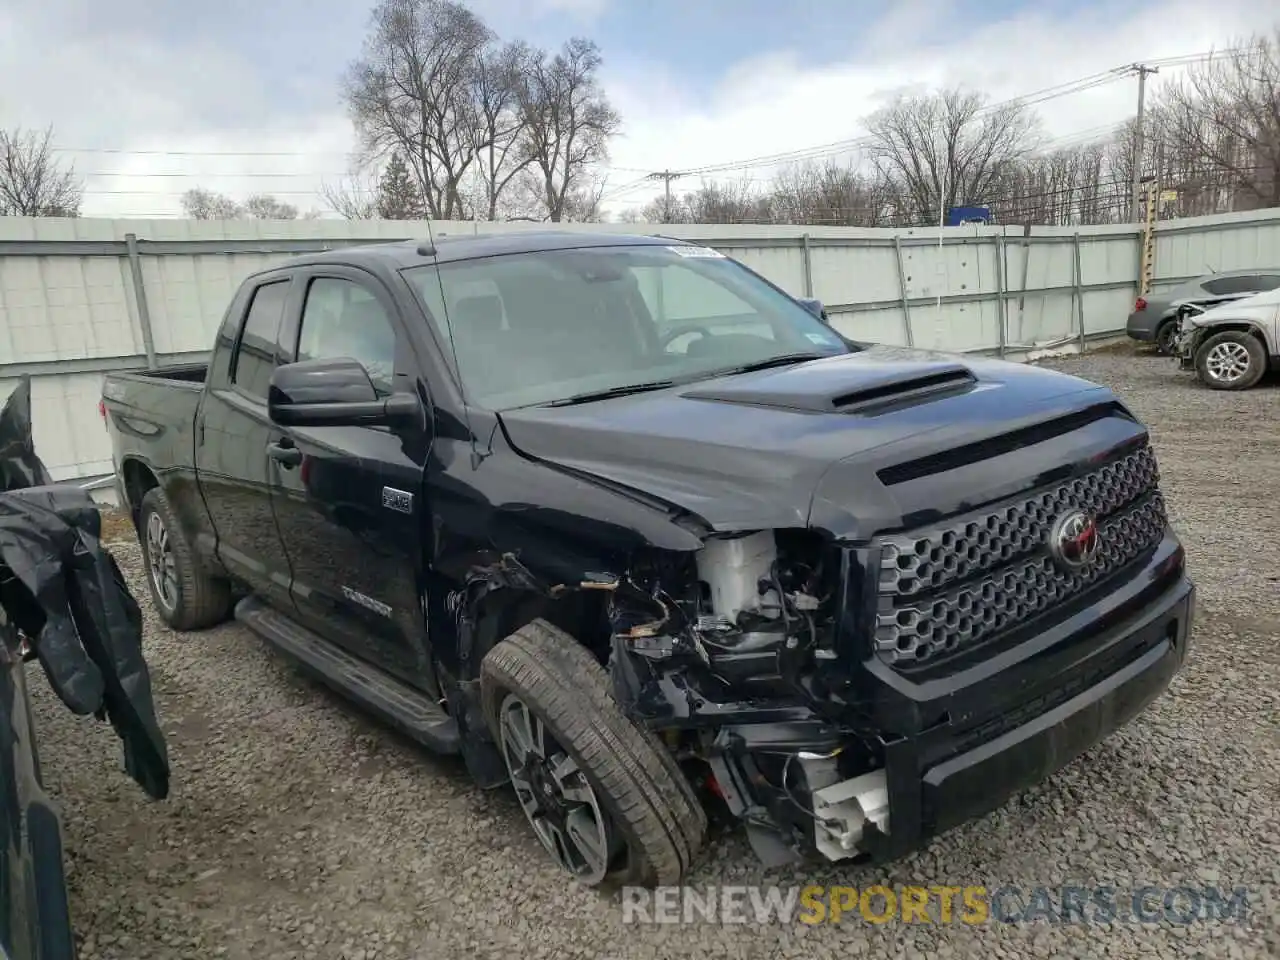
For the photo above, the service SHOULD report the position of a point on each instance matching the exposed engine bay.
(729, 671)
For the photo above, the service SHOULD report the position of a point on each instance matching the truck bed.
(189, 373)
(154, 412)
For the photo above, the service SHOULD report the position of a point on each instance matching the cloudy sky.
(151, 97)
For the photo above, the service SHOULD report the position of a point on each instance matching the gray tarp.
(68, 596)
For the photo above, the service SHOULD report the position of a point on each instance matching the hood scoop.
(840, 386)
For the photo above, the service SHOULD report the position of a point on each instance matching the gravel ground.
(298, 828)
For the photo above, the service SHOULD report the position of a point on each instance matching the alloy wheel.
(1227, 362)
(555, 794)
(161, 563)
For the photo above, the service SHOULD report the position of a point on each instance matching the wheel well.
(138, 479)
(1237, 327)
(584, 616)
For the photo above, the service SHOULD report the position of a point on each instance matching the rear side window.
(1222, 286)
(1268, 283)
(255, 355)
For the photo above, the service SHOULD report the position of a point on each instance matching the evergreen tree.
(398, 195)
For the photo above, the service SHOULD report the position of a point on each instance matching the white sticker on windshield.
(820, 339)
(690, 251)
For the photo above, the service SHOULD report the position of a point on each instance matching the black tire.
(200, 600)
(1209, 366)
(635, 778)
(1166, 333)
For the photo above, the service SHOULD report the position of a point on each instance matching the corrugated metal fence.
(81, 297)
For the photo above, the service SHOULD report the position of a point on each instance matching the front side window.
(341, 319)
(535, 328)
(255, 355)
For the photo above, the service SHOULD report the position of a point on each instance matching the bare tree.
(263, 206)
(500, 157)
(666, 208)
(830, 193)
(32, 182)
(568, 120)
(734, 202)
(1227, 111)
(411, 92)
(202, 204)
(355, 197)
(947, 147)
(582, 202)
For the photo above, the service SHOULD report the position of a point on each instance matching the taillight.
(1140, 304)
(102, 410)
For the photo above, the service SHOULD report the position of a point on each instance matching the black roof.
(406, 253)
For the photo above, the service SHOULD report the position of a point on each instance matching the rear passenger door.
(350, 512)
(232, 434)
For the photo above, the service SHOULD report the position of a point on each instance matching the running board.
(408, 710)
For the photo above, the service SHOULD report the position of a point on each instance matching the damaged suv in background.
(634, 531)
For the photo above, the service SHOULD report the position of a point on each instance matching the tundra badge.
(400, 501)
(377, 606)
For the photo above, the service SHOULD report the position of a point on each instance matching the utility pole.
(1142, 70)
(666, 176)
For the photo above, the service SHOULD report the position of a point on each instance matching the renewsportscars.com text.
(937, 904)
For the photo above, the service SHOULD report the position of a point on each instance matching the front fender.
(1264, 331)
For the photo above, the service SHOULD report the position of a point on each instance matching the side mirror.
(333, 393)
(813, 306)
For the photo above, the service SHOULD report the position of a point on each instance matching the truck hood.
(801, 445)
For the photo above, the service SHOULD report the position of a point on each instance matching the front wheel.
(1231, 360)
(604, 797)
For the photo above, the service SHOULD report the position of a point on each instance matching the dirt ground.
(298, 828)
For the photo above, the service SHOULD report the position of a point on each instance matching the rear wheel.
(1231, 360)
(604, 797)
(1165, 335)
(184, 594)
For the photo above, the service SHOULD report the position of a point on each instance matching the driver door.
(351, 511)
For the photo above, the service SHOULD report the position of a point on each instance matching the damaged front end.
(731, 655)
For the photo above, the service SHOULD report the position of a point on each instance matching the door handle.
(284, 453)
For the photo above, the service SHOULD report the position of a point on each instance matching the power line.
(294, 175)
(1067, 88)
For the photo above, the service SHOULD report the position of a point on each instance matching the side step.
(406, 709)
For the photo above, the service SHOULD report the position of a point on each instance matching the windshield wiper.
(786, 360)
(623, 391)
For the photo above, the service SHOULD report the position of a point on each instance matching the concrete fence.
(82, 297)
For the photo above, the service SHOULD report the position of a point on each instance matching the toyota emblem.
(1074, 540)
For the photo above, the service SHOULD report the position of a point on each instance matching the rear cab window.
(254, 357)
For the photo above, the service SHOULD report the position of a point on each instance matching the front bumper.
(1184, 348)
(967, 765)
(933, 798)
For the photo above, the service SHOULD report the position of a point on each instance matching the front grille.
(951, 587)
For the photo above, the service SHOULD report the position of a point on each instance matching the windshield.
(536, 328)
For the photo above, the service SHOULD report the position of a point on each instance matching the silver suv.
(1155, 317)
(1232, 345)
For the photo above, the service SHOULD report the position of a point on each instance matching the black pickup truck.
(628, 527)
